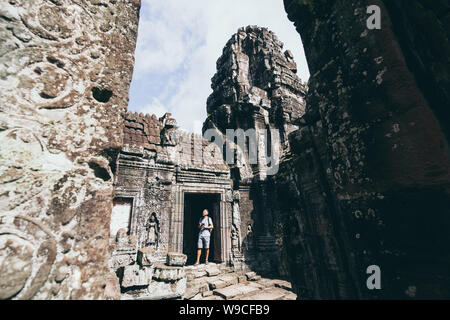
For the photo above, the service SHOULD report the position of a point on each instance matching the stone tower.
(255, 89)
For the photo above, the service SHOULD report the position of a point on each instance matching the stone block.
(267, 294)
(229, 279)
(211, 272)
(120, 260)
(135, 276)
(167, 290)
(252, 276)
(176, 259)
(112, 288)
(168, 273)
(207, 294)
(282, 284)
(235, 291)
(145, 257)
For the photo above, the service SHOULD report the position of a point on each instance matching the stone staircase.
(220, 282)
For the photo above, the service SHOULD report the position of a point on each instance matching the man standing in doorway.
(205, 225)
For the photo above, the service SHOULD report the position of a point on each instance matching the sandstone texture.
(65, 70)
(367, 182)
(352, 169)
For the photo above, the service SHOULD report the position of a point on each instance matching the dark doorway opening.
(194, 203)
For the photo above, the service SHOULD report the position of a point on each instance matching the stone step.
(235, 291)
(212, 271)
(212, 283)
(213, 297)
(222, 281)
(252, 276)
(290, 296)
(269, 294)
(283, 284)
(195, 274)
(275, 283)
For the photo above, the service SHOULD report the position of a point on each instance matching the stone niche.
(65, 70)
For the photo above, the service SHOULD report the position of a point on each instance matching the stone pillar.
(65, 70)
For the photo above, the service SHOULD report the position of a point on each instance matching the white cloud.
(179, 43)
(156, 107)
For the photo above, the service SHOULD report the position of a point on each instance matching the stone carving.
(153, 231)
(169, 136)
(176, 259)
(65, 69)
(135, 276)
(27, 253)
(146, 257)
(125, 249)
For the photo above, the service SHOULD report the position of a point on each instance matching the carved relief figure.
(153, 231)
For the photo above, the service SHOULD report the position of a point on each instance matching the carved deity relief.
(153, 231)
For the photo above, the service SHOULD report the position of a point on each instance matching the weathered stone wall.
(368, 181)
(65, 70)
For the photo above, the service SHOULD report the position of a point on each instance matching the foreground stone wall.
(368, 181)
(65, 70)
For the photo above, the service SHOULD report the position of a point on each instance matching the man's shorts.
(203, 241)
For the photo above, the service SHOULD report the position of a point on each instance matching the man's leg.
(207, 254)
(199, 253)
(206, 246)
(199, 250)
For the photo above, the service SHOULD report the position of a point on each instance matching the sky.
(179, 43)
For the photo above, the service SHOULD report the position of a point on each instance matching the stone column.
(65, 70)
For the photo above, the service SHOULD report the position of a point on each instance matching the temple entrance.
(194, 203)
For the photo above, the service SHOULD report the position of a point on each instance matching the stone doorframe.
(135, 195)
(224, 225)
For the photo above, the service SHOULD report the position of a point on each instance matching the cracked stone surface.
(65, 70)
(368, 180)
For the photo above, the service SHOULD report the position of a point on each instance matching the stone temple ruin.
(97, 202)
(166, 177)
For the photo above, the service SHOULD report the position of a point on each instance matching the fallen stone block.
(134, 276)
(229, 279)
(207, 294)
(234, 291)
(217, 284)
(252, 276)
(168, 273)
(267, 294)
(166, 290)
(211, 272)
(282, 284)
(145, 257)
(112, 288)
(176, 259)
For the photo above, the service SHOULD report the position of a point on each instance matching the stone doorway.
(121, 215)
(194, 203)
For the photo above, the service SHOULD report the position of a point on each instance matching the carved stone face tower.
(255, 89)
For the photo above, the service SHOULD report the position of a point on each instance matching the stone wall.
(65, 70)
(368, 180)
